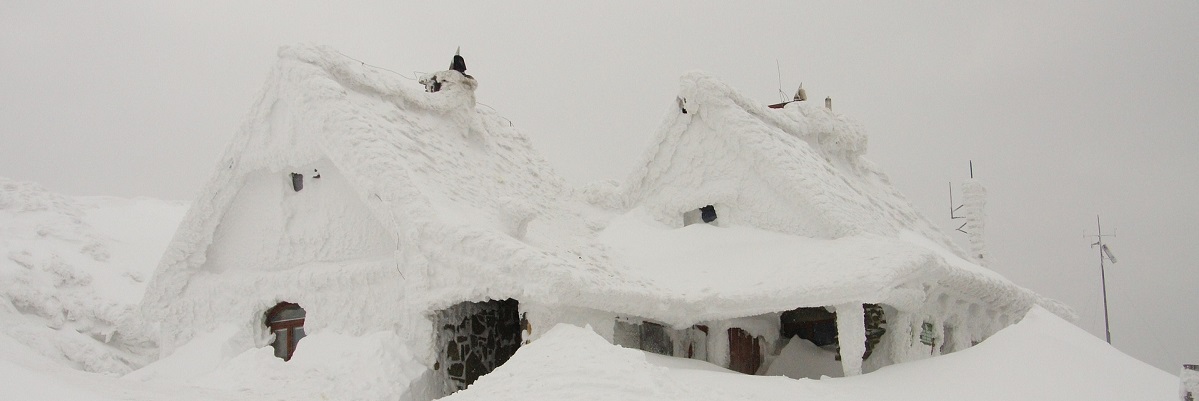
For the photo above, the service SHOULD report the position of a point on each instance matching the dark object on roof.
(297, 182)
(459, 63)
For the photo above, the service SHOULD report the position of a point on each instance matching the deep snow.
(72, 269)
(1041, 358)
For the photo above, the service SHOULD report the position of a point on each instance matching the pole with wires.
(1104, 253)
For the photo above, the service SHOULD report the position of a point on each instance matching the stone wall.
(474, 338)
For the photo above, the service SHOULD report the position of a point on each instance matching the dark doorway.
(475, 338)
(286, 321)
(817, 325)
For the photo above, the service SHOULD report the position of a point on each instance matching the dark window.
(691, 342)
(654, 338)
(286, 321)
(297, 182)
(927, 335)
(708, 213)
(817, 325)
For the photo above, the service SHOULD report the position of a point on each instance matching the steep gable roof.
(466, 197)
(809, 156)
(842, 229)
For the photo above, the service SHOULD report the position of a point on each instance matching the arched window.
(286, 320)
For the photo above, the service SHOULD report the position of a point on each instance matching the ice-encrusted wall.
(271, 226)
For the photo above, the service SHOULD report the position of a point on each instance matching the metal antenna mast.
(782, 95)
(1104, 253)
(953, 209)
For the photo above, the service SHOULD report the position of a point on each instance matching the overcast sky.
(1068, 109)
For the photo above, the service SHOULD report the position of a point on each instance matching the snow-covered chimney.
(1188, 390)
(828, 102)
(976, 199)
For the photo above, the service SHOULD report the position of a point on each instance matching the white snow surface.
(1040, 358)
(73, 268)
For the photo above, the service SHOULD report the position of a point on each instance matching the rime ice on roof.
(426, 205)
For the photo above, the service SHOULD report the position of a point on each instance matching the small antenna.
(1104, 253)
(953, 209)
(782, 95)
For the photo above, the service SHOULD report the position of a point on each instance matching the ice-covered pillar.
(851, 336)
(976, 199)
(1188, 390)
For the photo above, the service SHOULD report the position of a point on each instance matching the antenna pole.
(782, 95)
(1103, 279)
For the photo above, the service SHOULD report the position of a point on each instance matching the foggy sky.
(1068, 109)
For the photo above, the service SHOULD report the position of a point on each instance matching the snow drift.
(73, 268)
(1040, 358)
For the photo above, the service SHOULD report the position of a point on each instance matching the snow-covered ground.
(72, 269)
(1041, 358)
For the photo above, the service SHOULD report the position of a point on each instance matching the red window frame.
(288, 326)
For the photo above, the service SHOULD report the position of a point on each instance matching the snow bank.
(376, 366)
(71, 270)
(800, 359)
(573, 363)
(1041, 358)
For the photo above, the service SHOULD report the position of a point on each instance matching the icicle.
(851, 336)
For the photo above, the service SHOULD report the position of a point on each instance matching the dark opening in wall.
(819, 326)
(876, 326)
(297, 182)
(286, 321)
(474, 338)
(706, 214)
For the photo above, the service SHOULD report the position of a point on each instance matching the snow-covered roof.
(828, 223)
(476, 213)
(730, 148)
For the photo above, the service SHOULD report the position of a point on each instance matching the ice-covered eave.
(493, 266)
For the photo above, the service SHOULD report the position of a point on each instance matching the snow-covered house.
(354, 202)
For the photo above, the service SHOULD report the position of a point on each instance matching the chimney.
(1188, 390)
(828, 102)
